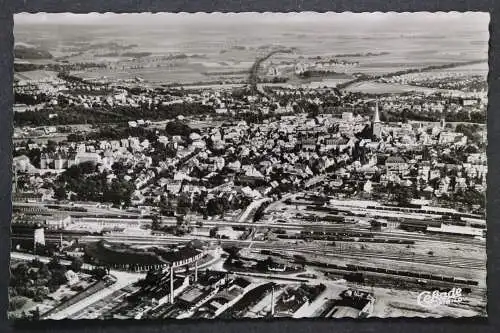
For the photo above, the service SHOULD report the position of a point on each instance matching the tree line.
(100, 115)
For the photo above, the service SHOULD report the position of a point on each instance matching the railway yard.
(310, 242)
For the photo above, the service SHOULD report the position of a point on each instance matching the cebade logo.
(435, 298)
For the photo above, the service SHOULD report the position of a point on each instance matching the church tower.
(376, 124)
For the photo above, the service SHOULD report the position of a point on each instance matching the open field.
(371, 87)
(196, 45)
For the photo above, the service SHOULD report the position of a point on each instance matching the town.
(259, 198)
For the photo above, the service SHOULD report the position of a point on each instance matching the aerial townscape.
(172, 167)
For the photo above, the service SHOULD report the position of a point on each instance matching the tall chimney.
(196, 271)
(272, 302)
(172, 284)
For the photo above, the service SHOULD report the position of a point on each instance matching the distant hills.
(31, 53)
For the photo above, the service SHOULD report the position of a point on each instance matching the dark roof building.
(127, 257)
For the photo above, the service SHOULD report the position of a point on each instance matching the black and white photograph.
(249, 165)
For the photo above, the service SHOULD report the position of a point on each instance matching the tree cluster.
(67, 115)
(85, 184)
(35, 280)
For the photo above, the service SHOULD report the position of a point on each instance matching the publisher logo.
(436, 298)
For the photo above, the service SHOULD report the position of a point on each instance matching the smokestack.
(272, 302)
(196, 271)
(172, 284)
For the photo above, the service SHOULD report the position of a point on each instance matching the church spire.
(376, 116)
(376, 124)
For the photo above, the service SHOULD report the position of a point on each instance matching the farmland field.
(202, 47)
(386, 88)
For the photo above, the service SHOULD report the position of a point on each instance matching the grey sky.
(469, 19)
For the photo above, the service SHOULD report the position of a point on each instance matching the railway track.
(458, 262)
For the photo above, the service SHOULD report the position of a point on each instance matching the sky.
(377, 18)
(345, 32)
